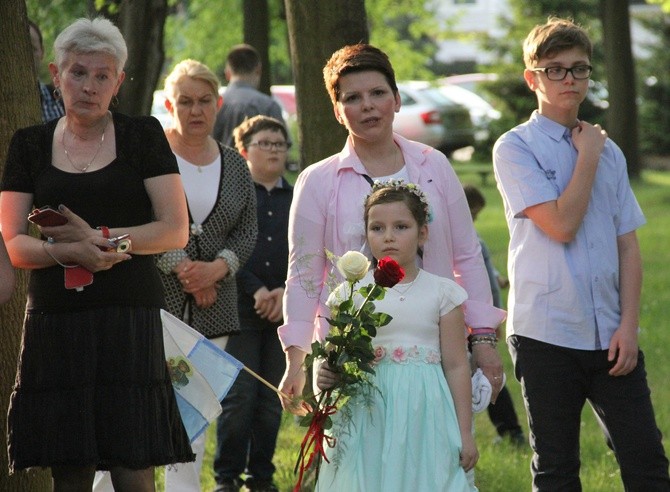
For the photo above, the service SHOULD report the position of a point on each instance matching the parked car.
(428, 116)
(470, 81)
(285, 96)
(481, 111)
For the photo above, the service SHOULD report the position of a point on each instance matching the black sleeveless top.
(113, 196)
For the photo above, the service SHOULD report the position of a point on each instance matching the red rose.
(388, 272)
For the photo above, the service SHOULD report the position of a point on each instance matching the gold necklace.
(97, 151)
(403, 293)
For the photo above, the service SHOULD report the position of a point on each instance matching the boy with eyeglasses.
(575, 274)
(249, 424)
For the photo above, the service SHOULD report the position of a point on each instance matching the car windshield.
(468, 97)
(436, 96)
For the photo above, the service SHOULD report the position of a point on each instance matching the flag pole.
(267, 383)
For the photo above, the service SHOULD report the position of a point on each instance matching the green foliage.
(204, 31)
(654, 90)
(52, 16)
(665, 4)
(407, 31)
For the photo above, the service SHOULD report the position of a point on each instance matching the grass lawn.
(502, 467)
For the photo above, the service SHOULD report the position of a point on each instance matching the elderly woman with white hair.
(92, 389)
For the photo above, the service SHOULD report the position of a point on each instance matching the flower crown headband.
(400, 185)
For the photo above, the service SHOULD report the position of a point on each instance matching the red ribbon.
(314, 438)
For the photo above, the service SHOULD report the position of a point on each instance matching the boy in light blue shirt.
(575, 274)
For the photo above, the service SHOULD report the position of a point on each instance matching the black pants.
(556, 384)
(247, 428)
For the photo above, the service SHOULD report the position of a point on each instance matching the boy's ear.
(531, 81)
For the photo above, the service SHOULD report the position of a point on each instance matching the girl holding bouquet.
(415, 432)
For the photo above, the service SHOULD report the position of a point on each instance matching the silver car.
(428, 116)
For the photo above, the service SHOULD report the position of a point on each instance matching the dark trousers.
(556, 383)
(248, 427)
(503, 416)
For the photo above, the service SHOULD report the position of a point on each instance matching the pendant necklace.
(403, 293)
(67, 154)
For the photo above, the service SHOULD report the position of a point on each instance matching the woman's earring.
(56, 93)
(115, 101)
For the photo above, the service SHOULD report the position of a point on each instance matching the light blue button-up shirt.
(566, 294)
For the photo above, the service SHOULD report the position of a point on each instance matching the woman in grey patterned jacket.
(199, 280)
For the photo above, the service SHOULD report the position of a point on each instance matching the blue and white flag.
(201, 373)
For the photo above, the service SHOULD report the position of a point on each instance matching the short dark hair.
(474, 196)
(243, 59)
(557, 35)
(251, 126)
(356, 58)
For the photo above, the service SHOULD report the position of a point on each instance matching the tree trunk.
(622, 113)
(257, 34)
(142, 24)
(317, 29)
(19, 107)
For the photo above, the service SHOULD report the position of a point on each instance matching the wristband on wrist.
(483, 339)
(104, 230)
(482, 331)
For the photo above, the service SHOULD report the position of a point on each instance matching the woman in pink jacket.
(327, 214)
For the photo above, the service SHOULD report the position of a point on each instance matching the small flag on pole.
(201, 373)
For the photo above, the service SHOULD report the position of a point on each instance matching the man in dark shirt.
(242, 99)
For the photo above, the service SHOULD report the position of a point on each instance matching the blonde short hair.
(194, 69)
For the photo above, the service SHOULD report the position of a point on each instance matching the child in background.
(249, 424)
(502, 413)
(416, 434)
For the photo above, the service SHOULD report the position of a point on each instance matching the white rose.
(353, 265)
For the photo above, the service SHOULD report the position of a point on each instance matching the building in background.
(472, 17)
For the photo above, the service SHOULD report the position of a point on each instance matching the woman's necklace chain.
(396, 159)
(97, 151)
(403, 293)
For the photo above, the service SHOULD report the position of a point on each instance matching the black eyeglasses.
(580, 72)
(267, 145)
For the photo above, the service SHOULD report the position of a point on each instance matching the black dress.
(92, 387)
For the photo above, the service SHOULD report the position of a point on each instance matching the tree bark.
(622, 123)
(257, 34)
(142, 24)
(19, 107)
(317, 29)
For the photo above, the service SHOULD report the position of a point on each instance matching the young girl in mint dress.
(416, 433)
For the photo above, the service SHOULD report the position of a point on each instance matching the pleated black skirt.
(92, 388)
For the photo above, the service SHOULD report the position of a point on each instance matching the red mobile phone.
(47, 216)
(77, 278)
